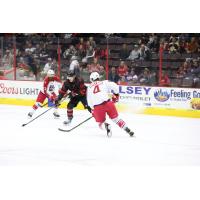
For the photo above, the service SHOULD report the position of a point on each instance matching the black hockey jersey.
(77, 87)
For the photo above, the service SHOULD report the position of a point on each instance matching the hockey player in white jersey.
(47, 91)
(98, 99)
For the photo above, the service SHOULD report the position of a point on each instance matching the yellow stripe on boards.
(120, 107)
(172, 112)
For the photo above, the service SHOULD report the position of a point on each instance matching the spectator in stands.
(122, 70)
(196, 67)
(183, 69)
(68, 53)
(135, 53)
(7, 59)
(122, 80)
(165, 81)
(102, 73)
(81, 53)
(152, 43)
(2, 77)
(192, 46)
(113, 76)
(44, 53)
(84, 72)
(47, 66)
(131, 77)
(81, 43)
(100, 53)
(195, 70)
(67, 35)
(94, 66)
(173, 45)
(30, 47)
(145, 78)
(31, 63)
(180, 72)
(37, 51)
(144, 52)
(89, 52)
(92, 42)
(54, 66)
(21, 64)
(165, 45)
(182, 45)
(124, 52)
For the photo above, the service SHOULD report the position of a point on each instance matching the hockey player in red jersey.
(101, 104)
(48, 91)
(75, 89)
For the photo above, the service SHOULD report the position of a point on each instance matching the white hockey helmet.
(94, 76)
(50, 73)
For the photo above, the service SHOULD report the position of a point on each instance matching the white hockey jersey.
(99, 92)
(52, 86)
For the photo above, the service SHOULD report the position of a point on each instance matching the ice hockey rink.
(158, 140)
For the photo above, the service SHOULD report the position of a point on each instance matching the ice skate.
(131, 133)
(108, 129)
(30, 114)
(67, 122)
(56, 114)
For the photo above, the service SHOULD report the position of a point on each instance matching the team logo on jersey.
(161, 95)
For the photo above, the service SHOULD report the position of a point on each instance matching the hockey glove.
(92, 112)
(74, 94)
(115, 98)
(57, 102)
(52, 98)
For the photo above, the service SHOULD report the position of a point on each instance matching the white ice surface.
(158, 140)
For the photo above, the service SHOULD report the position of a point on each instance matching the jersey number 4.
(96, 89)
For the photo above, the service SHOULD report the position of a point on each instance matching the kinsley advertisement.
(132, 98)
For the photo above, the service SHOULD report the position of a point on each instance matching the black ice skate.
(56, 115)
(108, 129)
(131, 133)
(30, 114)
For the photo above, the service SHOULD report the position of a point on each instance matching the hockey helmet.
(94, 76)
(50, 73)
(70, 73)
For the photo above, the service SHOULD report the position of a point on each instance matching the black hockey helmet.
(70, 73)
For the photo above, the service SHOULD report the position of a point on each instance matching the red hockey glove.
(115, 98)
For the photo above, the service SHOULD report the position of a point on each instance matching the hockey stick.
(64, 130)
(42, 113)
(44, 105)
(37, 117)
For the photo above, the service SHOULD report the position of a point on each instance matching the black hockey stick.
(43, 112)
(37, 117)
(65, 130)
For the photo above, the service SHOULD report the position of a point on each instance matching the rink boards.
(183, 102)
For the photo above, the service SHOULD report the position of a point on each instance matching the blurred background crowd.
(171, 60)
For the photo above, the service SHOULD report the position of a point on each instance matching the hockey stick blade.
(64, 130)
(68, 130)
(41, 113)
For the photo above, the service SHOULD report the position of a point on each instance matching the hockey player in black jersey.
(75, 88)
